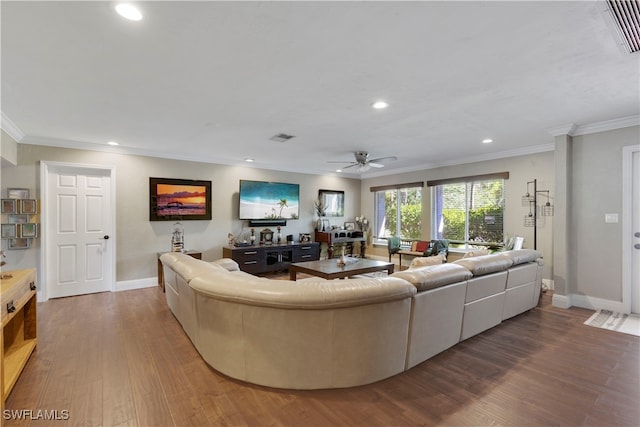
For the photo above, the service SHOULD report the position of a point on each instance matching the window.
(398, 210)
(469, 209)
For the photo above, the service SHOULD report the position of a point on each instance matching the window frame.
(419, 186)
(466, 180)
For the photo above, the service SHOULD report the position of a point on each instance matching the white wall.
(138, 239)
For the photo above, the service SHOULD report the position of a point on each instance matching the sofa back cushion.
(521, 256)
(308, 294)
(486, 264)
(433, 276)
(187, 266)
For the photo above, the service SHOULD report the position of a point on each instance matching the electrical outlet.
(611, 218)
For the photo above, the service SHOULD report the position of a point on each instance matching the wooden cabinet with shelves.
(19, 319)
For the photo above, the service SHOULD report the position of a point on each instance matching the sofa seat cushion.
(433, 276)
(485, 264)
(312, 294)
(521, 256)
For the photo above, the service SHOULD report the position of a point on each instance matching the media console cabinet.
(257, 259)
(19, 335)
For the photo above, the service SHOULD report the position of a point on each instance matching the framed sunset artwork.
(179, 199)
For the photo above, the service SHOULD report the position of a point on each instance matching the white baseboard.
(585, 301)
(129, 285)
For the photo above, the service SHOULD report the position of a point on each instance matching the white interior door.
(79, 222)
(635, 230)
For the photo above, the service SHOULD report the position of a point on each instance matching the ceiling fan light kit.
(363, 162)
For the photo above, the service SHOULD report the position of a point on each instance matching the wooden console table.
(195, 254)
(18, 334)
(349, 238)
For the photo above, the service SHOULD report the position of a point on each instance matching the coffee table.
(329, 268)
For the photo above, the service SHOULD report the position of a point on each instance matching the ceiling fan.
(363, 163)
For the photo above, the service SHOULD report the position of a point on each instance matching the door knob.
(636, 234)
(106, 237)
(637, 246)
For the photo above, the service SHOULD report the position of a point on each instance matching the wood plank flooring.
(122, 359)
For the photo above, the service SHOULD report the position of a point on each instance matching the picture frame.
(28, 230)
(333, 201)
(304, 238)
(18, 219)
(19, 243)
(9, 206)
(179, 199)
(326, 225)
(18, 193)
(350, 226)
(28, 206)
(9, 231)
(518, 242)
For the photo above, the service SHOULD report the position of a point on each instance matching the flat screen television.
(179, 199)
(261, 200)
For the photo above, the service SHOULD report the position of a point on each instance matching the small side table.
(195, 254)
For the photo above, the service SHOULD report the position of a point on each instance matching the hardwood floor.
(122, 359)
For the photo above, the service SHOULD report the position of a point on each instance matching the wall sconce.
(531, 219)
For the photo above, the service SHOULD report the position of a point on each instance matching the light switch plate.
(611, 218)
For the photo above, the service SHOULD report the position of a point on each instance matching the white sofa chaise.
(315, 333)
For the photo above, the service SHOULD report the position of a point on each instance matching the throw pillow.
(421, 246)
(427, 260)
(477, 252)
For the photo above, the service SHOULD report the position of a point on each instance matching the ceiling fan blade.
(351, 165)
(375, 165)
(342, 161)
(383, 159)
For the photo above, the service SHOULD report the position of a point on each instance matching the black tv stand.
(258, 259)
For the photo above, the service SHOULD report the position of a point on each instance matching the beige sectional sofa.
(316, 333)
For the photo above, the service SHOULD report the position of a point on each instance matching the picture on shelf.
(18, 193)
(9, 231)
(28, 206)
(19, 243)
(18, 219)
(350, 226)
(28, 230)
(9, 206)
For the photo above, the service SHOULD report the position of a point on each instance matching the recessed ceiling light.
(112, 143)
(487, 141)
(379, 105)
(249, 160)
(128, 11)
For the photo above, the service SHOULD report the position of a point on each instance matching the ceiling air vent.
(626, 17)
(281, 137)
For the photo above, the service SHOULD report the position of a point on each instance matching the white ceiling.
(213, 81)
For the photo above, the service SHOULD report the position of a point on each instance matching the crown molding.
(10, 128)
(607, 125)
(567, 129)
(483, 158)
